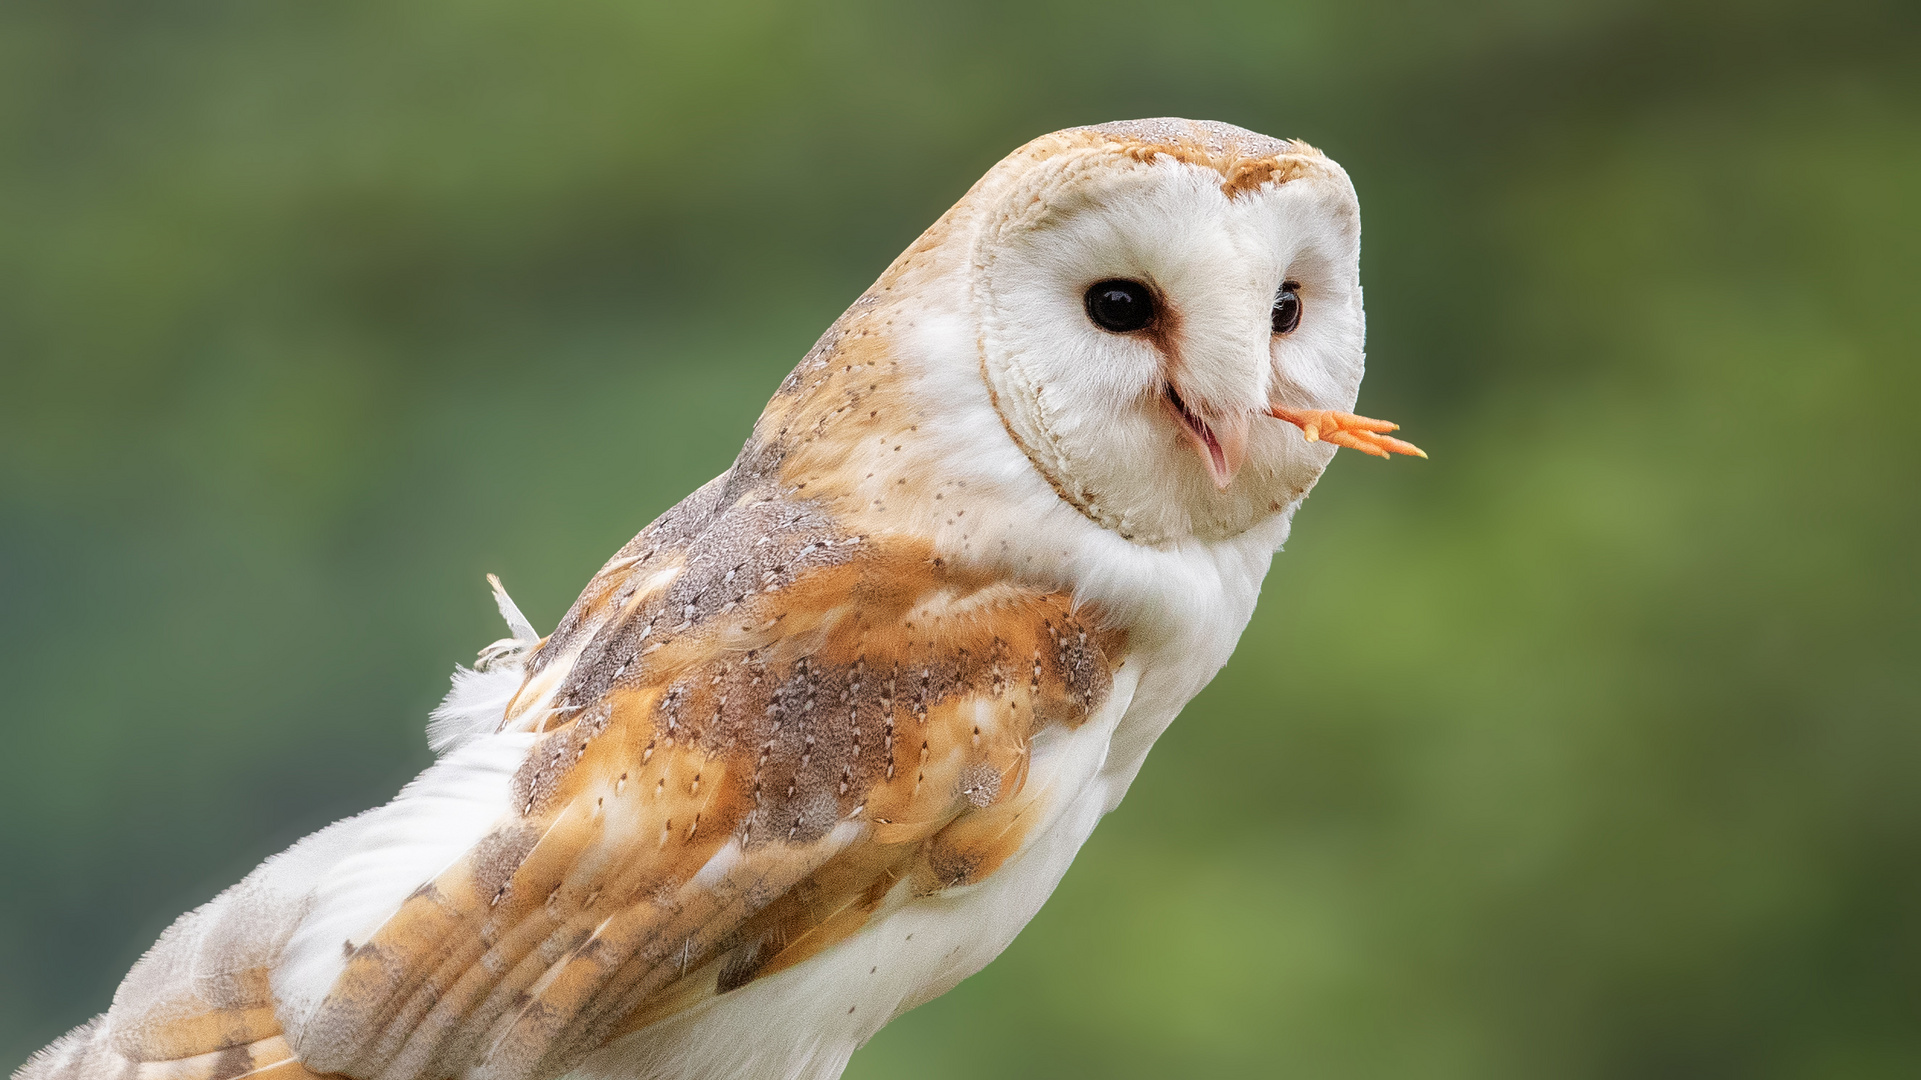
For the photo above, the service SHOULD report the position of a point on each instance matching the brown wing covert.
(752, 730)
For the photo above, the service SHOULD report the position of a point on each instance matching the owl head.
(1138, 295)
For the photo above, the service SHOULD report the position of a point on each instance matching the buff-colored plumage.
(818, 742)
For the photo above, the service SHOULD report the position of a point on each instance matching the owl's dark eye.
(1287, 308)
(1120, 305)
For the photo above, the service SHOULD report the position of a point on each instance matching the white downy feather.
(478, 699)
(473, 707)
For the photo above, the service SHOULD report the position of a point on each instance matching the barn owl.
(821, 739)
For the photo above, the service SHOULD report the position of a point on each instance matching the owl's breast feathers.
(755, 730)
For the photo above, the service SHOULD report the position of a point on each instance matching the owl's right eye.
(1120, 305)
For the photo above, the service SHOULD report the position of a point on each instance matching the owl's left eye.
(1119, 305)
(1287, 308)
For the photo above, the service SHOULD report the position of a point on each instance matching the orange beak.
(1346, 429)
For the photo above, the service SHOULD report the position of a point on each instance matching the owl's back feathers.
(751, 733)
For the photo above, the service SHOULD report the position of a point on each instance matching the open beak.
(1221, 438)
(1346, 429)
(1221, 441)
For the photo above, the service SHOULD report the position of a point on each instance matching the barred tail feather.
(87, 1053)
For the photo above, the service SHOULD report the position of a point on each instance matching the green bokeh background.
(1591, 747)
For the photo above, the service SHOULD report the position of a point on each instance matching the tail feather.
(81, 1054)
(87, 1053)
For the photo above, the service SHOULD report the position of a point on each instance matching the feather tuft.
(474, 706)
(477, 701)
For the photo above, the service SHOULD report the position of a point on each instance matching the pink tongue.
(1210, 447)
(1217, 461)
(1206, 443)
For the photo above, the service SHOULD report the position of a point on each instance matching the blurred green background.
(1590, 748)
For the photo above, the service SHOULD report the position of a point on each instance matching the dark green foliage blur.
(1590, 748)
